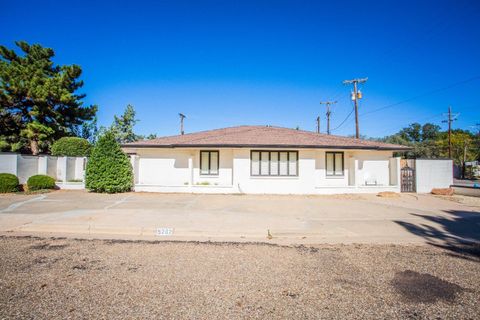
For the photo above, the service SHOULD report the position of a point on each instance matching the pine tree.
(122, 126)
(36, 94)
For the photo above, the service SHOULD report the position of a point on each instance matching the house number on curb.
(164, 232)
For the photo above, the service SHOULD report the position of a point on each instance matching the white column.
(79, 168)
(190, 169)
(62, 169)
(134, 163)
(42, 164)
(398, 173)
(357, 174)
(352, 171)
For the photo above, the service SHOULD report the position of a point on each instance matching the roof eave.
(275, 146)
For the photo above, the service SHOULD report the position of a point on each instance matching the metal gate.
(408, 179)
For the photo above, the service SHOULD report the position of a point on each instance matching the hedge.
(71, 147)
(8, 182)
(40, 182)
(108, 168)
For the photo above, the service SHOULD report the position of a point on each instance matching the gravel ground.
(98, 279)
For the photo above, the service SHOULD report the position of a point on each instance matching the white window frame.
(269, 173)
(209, 152)
(334, 153)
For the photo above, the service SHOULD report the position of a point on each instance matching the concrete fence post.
(399, 173)
(62, 169)
(79, 171)
(42, 164)
(134, 163)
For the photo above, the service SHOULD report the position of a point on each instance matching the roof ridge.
(196, 132)
(248, 128)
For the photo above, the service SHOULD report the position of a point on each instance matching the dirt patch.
(424, 288)
(388, 194)
(443, 192)
(48, 246)
(347, 196)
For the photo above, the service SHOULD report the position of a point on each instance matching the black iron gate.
(408, 179)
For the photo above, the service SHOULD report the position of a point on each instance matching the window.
(334, 163)
(274, 163)
(209, 162)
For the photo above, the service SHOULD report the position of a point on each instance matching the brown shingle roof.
(262, 137)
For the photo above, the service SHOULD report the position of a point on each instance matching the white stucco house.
(264, 160)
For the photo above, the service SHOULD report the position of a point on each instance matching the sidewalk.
(288, 219)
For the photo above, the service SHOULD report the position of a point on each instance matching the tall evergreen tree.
(122, 127)
(38, 99)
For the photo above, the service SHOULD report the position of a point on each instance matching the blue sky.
(226, 63)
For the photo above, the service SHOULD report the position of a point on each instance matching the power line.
(422, 95)
(344, 120)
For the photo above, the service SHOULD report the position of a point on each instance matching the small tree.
(71, 147)
(108, 169)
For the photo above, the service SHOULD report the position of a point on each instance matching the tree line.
(428, 141)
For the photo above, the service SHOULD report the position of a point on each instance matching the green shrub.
(108, 168)
(40, 182)
(4, 146)
(8, 182)
(71, 147)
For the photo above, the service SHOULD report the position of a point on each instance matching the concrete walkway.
(289, 219)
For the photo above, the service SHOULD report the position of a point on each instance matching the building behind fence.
(69, 172)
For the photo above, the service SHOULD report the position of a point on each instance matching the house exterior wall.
(178, 170)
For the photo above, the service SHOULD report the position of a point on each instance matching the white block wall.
(433, 174)
(25, 166)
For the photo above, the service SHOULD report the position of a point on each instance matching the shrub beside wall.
(108, 168)
(71, 147)
(8, 182)
(40, 182)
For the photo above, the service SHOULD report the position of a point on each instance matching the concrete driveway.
(289, 219)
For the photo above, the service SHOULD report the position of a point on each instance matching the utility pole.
(451, 117)
(328, 104)
(355, 96)
(318, 124)
(182, 116)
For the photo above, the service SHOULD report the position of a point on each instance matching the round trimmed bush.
(8, 182)
(108, 168)
(40, 182)
(71, 147)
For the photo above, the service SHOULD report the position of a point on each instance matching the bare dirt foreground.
(100, 279)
